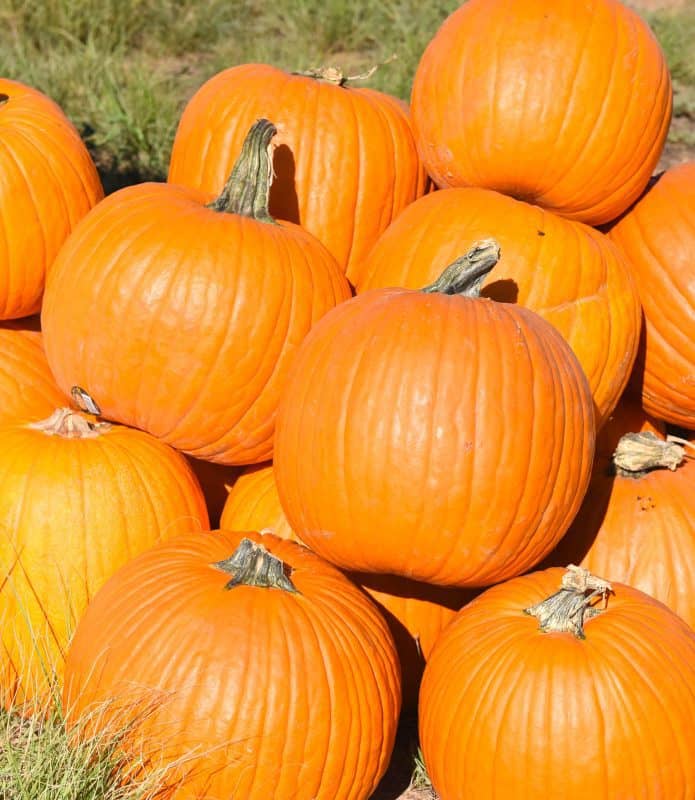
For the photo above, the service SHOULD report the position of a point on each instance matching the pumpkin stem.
(337, 76)
(466, 275)
(566, 610)
(247, 191)
(638, 453)
(252, 565)
(69, 424)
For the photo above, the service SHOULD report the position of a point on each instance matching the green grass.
(123, 69)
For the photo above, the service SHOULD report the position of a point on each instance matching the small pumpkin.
(346, 162)
(434, 433)
(180, 314)
(264, 671)
(658, 237)
(561, 685)
(565, 105)
(78, 498)
(49, 182)
(28, 390)
(569, 273)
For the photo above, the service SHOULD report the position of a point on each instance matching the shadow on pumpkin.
(504, 290)
(284, 203)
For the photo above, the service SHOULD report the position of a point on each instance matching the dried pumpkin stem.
(252, 565)
(639, 453)
(466, 275)
(566, 610)
(247, 191)
(70, 425)
(336, 76)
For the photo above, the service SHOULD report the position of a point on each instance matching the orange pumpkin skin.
(508, 711)
(73, 508)
(174, 327)
(277, 694)
(28, 390)
(570, 274)
(415, 612)
(531, 98)
(324, 130)
(458, 435)
(658, 236)
(49, 177)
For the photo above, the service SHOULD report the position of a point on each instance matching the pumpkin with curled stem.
(563, 685)
(184, 319)
(563, 104)
(263, 671)
(49, 178)
(346, 162)
(434, 434)
(79, 498)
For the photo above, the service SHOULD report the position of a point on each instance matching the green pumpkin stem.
(639, 453)
(252, 565)
(247, 191)
(566, 610)
(466, 275)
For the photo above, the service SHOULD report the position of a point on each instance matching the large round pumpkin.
(554, 685)
(27, 387)
(658, 237)
(181, 317)
(563, 104)
(567, 272)
(416, 612)
(77, 500)
(245, 662)
(434, 434)
(49, 183)
(346, 162)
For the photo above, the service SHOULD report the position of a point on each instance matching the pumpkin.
(78, 498)
(567, 272)
(434, 434)
(415, 612)
(180, 317)
(48, 180)
(658, 236)
(264, 671)
(28, 390)
(561, 685)
(544, 102)
(637, 521)
(346, 162)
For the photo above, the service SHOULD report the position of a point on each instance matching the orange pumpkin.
(563, 104)
(262, 671)
(415, 612)
(346, 162)
(49, 182)
(588, 693)
(28, 390)
(658, 237)
(77, 500)
(434, 434)
(181, 318)
(570, 274)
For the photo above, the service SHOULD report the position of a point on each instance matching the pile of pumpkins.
(430, 369)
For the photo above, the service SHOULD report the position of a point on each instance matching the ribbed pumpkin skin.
(49, 177)
(71, 512)
(453, 446)
(415, 612)
(283, 695)
(509, 711)
(532, 98)
(324, 131)
(658, 237)
(182, 321)
(570, 274)
(28, 390)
